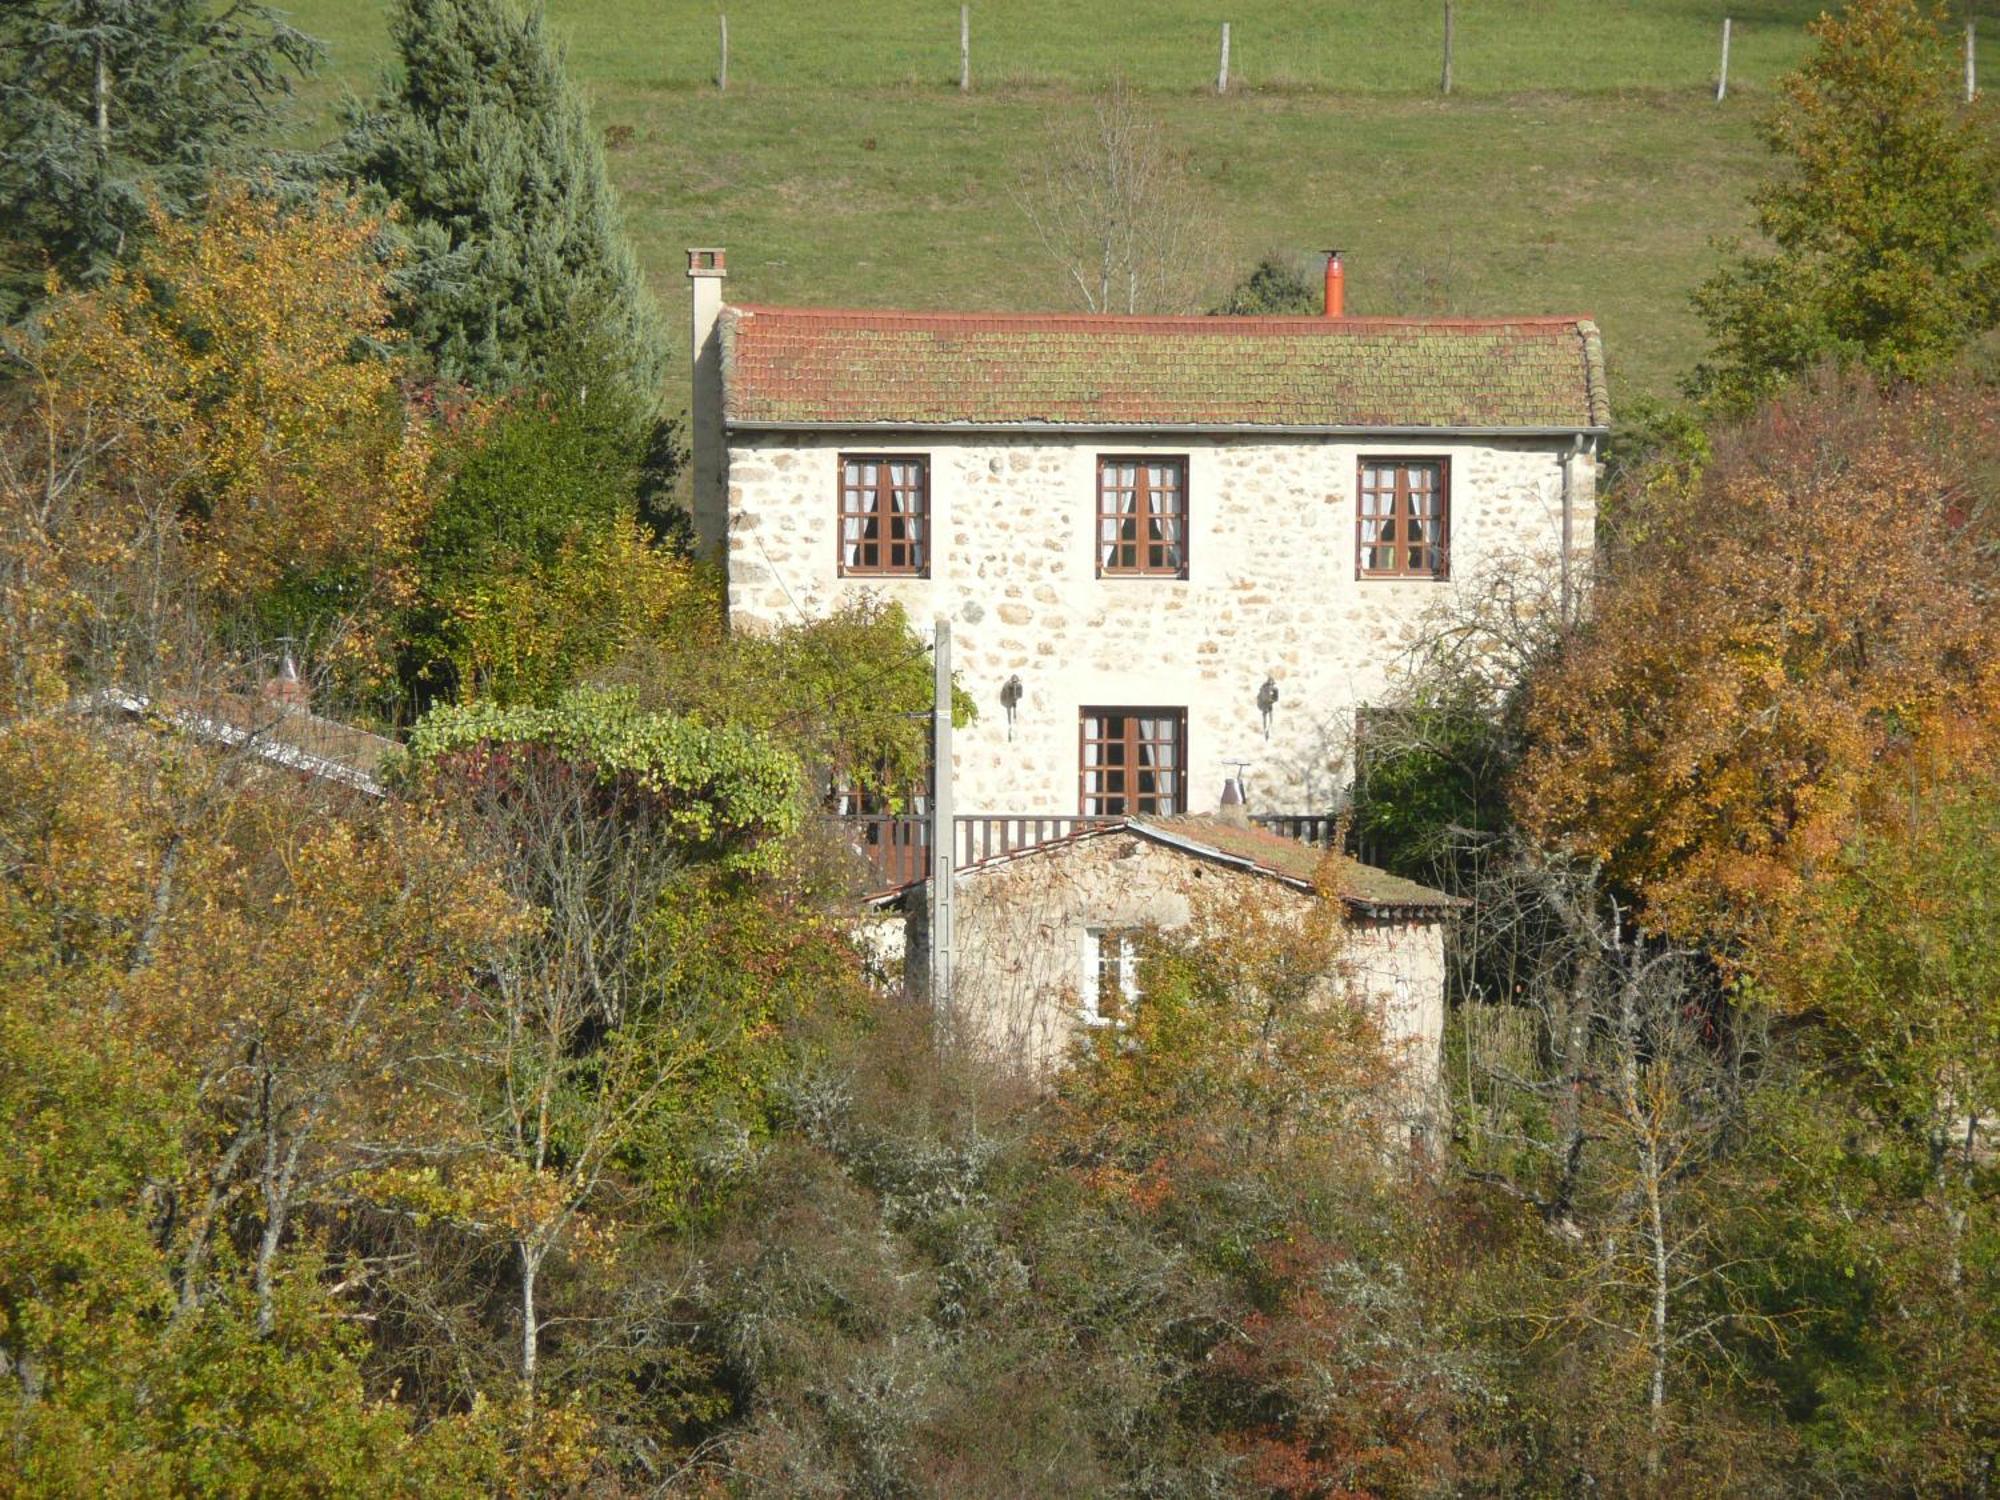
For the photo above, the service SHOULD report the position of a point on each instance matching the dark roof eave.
(1273, 429)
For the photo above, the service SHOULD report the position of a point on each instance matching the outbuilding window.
(885, 506)
(1132, 760)
(1403, 524)
(1142, 517)
(1110, 975)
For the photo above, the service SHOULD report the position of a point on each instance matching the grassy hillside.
(1376, 46)
(1581, 166)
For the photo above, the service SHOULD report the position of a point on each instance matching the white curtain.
(1165, 482)
(856, 522)
(1121, 521)
(906, 500)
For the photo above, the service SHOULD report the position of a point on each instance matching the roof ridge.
(1147, 322)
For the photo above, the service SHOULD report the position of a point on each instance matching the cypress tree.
(110, 106)
(517, 267)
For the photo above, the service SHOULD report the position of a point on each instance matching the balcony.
(897, 846)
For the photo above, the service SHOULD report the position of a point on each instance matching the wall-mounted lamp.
(1010, 699)
(1267, 699)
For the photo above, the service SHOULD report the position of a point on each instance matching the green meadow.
(1581, 163)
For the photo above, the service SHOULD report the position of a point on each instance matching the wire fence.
(1439, 47)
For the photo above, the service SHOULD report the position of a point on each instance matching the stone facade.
(1271, 588)
(1022, 924)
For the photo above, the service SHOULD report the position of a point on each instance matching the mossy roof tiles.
(804, 366)
(1358, 884)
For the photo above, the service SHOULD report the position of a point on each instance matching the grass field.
(1356, 46)
(1581, 164)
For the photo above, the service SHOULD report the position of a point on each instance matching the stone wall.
(1271, 591)
(1018, 975)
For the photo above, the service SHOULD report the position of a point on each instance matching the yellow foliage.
(237, 376)
(534, 629)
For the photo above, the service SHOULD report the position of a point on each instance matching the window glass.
(1132, 760)
(1142, 516)
(1111, 975)
(884, 514)
(1402, 519)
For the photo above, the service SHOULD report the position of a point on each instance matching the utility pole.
(1722, 74)
(943, 850)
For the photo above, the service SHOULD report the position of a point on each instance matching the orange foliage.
(1776, 654)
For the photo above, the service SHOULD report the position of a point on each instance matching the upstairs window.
(1142, 517)
(1110, 975)
(885, 512)
(1403, 526)
(1132, 760)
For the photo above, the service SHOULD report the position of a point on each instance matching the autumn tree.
(1885, 224)
(848, 691)
(517, 264)
(112, 111)
(1771, 656)
(1888, 1249)
(593, 812)
(534, 568)
(214, 1028)
(230, 395)
(1606, 1086)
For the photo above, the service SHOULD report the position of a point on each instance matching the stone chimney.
(709, 500)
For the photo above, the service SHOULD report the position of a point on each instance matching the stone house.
(1048, 935)
(1174, 552)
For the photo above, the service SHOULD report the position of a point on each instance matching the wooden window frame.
(1144, 567)
(1131, 742)
(1440, 571)
(884, 515)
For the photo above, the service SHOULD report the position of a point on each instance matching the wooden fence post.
(722, 67)
(1222, 73)
(1444, 83)
(965, 49)
(1971, 66)
(1722, 77)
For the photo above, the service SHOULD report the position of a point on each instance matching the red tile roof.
(788, 366)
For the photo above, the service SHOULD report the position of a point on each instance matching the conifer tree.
(1885, 223)
(108, 106)
(517, 265)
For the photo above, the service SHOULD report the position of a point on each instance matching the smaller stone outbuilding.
(1046, 935)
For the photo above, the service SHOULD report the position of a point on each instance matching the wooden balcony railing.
(988, 836)
(1307, 828)
(897, 846)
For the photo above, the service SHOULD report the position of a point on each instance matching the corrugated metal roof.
(787, 366)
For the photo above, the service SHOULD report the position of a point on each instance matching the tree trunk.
(1657, 1231)
(531, 1328)
(103, 104)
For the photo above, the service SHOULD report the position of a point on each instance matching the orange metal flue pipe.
(1336, 286)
